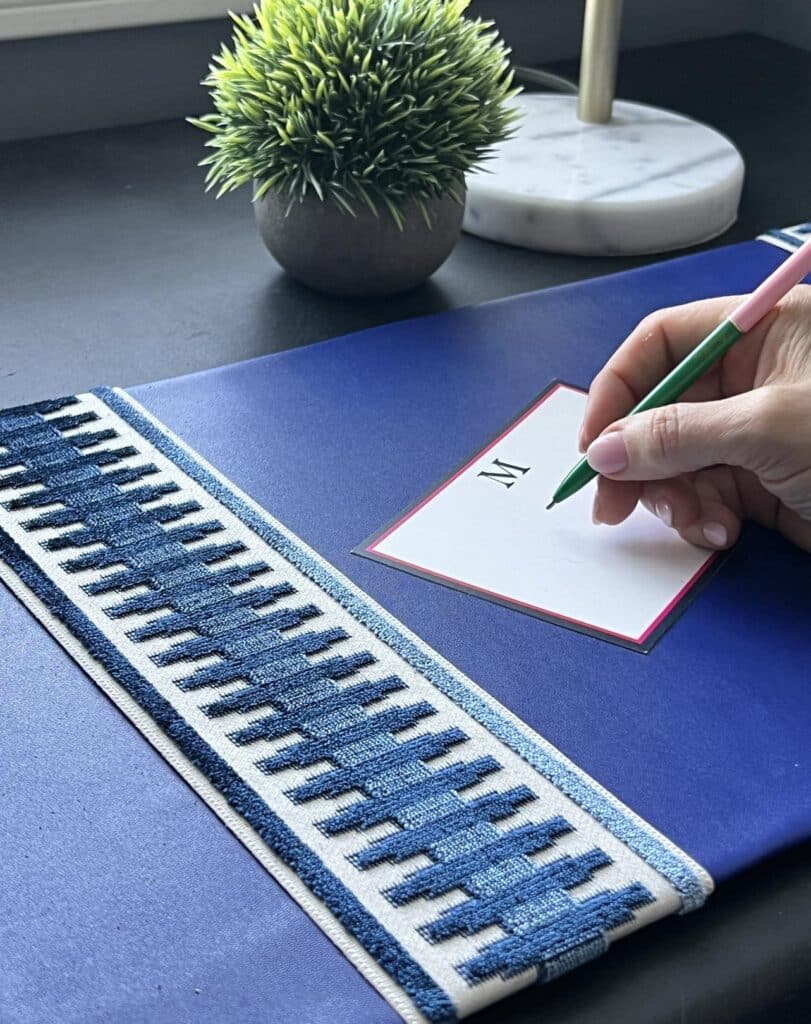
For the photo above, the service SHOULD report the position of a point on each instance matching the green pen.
(706, 354)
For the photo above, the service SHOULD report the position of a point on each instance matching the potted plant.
(355, 121)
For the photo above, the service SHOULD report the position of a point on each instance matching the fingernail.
(608, 453)
(581, 440)
(664, 511)
(715, 534)
(595, 511)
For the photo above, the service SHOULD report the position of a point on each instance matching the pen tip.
(550, 505)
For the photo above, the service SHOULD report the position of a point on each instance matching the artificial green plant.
(379, 102)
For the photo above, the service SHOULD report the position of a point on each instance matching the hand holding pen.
(738, 444)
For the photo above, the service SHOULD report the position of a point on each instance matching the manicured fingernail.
(715, 534)
(595, 511)
(608, 453)
(664, 511)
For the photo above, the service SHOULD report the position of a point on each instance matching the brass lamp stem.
(598, 60)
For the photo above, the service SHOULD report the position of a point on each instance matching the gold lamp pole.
(598, 60)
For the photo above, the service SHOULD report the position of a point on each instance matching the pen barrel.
(692, 368)
(703, 357)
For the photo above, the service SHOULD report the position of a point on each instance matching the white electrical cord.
(546, 79)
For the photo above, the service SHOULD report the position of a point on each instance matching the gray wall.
(91, 80)
(95, 79)
(788, 21)
(546, 30)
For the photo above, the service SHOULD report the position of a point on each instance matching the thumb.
(676, 439)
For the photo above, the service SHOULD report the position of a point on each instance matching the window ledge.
(26, 18)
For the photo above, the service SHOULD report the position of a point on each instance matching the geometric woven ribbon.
(448, 850)
(790, 238)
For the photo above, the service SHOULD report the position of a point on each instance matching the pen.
(719, 341)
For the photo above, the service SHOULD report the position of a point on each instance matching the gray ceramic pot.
(325, 248)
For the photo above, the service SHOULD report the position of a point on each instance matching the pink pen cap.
(766, 296)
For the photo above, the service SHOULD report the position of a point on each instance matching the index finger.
(650, 351)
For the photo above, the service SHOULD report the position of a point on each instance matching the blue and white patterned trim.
(449, 851)
(789, 239)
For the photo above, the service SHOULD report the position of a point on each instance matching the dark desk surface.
(116, 268)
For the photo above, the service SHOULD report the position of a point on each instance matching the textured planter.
(327, 249)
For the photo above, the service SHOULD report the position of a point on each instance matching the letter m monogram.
(504, 472)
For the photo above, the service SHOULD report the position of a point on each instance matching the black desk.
(116, 268)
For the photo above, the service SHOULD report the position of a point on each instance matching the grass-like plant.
(356, 101)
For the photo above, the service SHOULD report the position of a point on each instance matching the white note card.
(485, 530)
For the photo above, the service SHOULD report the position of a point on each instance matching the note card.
(485, 530)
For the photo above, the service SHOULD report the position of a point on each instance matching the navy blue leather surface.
(127, 886)
(708, 736)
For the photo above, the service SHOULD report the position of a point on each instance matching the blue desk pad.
(456, 798)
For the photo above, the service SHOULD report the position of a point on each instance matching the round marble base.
(648, 181)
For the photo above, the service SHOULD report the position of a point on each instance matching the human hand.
(738, 445)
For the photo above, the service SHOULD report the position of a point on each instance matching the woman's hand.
(738, 446)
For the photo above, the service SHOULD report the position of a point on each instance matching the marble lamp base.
(648, 181)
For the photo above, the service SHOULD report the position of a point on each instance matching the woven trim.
(477, 860)
(789, 239)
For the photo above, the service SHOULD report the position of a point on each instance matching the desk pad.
(450, 852)
(457, 798)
